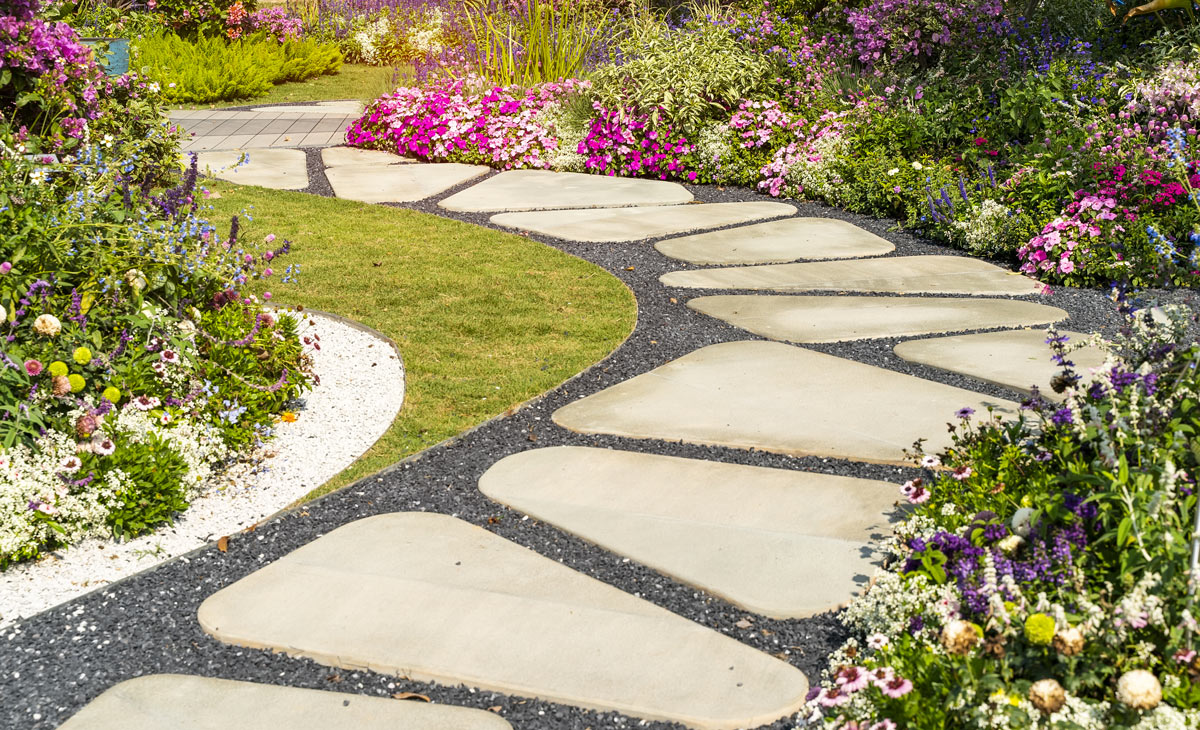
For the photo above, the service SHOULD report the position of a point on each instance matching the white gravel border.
(361, 391)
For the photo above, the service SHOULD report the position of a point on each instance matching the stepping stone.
(777, 241)
(900, 275)
(399, 183)
(781, 543)
(181, 702)
(336, 108)
(838, 319)
(433, 598)
(635, 224)
(776, 397)
(1014, 360)
(544, 190)
(352, 157)
(281, 169)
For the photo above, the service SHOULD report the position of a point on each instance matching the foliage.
(217, 69)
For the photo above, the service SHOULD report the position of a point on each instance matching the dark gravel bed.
(54, 663)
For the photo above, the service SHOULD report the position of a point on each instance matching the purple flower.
(964, 413)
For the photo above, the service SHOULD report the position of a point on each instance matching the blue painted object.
(115, 57)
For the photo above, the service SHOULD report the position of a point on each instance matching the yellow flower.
(77, 382)
(58, 369)
(82, 355)
(1039, 629)
(288, 417)
(111, 394)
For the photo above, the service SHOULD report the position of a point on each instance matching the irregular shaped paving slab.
(635, 224)
(339, 108)
(782, 543)
(352, 156)
(179, 702)
(434, 598)
(278, 168)
(900, 275)
(1014, 360)
(544, 190)
(837, 319)
(776, 397)
(399, 183)
(777, 241)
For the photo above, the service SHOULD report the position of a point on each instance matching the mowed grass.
(484, 320)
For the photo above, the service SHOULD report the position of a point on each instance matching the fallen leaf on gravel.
(674, 300)
(493, 520)
(744, 624)
(335, 678)
(629, 268)
(495, 708)
(223, 544)
(410, 696)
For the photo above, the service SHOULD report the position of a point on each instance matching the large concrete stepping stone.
(900, 275)
(545, 190)
(433, 598)
(781, 543)
(1014, 360)
(353, 157)
(399, 183)
(776, 397)
(777, 241)
(837, 319)
(634, 224)
(277, 168)
(179, 702)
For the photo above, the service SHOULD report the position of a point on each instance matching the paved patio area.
(310, 125)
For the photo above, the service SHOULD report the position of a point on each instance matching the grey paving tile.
(302, 126)
(235, 141)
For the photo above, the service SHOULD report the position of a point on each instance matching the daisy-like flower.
(877, 641)
(931, 462)
(832, 697)
(919, 495)
(962, 473)
(884, 724)
(964, 413)
(158, 367)
(852, 679)
(103, 446)
(911, 486)
(165, 418)
(70, 464)
(882, 675)
(145, 403)
(170, 357)
(33, 368)
(897, 687)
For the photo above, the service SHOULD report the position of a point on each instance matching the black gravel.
(54, 663)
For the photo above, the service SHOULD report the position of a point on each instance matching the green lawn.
(484, 320)
(352, 81)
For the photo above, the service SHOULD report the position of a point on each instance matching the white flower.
(1011, 544)
(145, 403)
(103, 445)
(931, 462)
(877, 641)
(170, 356)
(893, 171)
(70, 464)
(47, 324)
(165, 418)
(3, 314)
(135, 279)
(917, 166)
(1139, 690)
(1020, 521)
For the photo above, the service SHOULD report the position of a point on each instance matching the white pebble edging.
(361, 391)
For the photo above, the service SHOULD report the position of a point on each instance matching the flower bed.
(132, 362)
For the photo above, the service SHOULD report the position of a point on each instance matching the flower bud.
(1069, 641)
(959, 637)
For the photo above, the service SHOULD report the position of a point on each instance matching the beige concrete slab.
(777, 241)
(544, 190)
(1014, 360)
(900, 275)
(434, 598)
(352, 156)
(798, 318)
(781, 543)
(776, 397)
(340, 108)
(399, 183)
(179, 702)
(281, 169)
(634, 224)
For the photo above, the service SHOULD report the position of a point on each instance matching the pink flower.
(267, 296)
(897, 687)
(962, 473)
(33, 368)
(267, 272)
(5, 267)
(882, 676)
(852, 679)
(884, 724)
(832, 697)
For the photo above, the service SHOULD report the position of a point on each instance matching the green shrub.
(215, 69)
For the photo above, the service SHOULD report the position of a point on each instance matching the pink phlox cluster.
(1069, 237)
(449, 120)
(622, 142)
(761, 123)
(277, 23)
(774, 173)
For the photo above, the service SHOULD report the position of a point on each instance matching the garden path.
(302, 125)
(432, 597)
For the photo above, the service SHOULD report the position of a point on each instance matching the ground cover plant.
(134, 359)
(1061, 143)
(484, 320)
